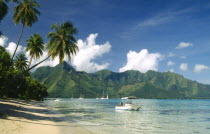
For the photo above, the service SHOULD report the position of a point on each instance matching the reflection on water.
(155, 117)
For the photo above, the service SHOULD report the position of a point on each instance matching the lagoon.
(155, 116)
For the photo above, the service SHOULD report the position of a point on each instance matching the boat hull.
(129, 108)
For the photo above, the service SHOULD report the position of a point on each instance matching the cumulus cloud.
(84, 59)
(88, 52)
(198, 68)
(11, 48)
(48, 62)
(142, 61)
(170, 63)
(3, 40)
(184, 45)
(184, 67)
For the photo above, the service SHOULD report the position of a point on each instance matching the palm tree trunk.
(21, 33)
(35, 65)
(28, 69)
(30, 62)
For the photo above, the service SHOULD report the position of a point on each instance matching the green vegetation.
(25, 12)
(65, 81)
(4, 9)
(15, 78)
(35, 47)
(18, 87)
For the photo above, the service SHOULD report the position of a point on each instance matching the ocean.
(157, 116)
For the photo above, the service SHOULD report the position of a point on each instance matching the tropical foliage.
(26, 13)
(3, 9)
(15, 78)
(62, 41)
(21, 62)
(35, 47)
(10, 86)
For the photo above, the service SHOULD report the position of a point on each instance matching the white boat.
(57, 100)
(128, 106)
(124, 98)
(81, 97)
(107, 97)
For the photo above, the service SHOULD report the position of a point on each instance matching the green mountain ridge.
(64, 81)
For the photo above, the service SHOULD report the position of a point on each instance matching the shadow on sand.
(26, 110)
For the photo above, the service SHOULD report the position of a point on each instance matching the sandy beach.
(23, 117)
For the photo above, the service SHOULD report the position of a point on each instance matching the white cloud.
(156, 20)
(183, 57)
(171, 70)
(89, 51)
(3, 40)
(198, 68)
(48, 62)
(170, 63)
(162, 18)
(184, 67)
(171, 54)
(142, 61)
(205, 81)
(11, 48)
(184, 45)
(83, 60)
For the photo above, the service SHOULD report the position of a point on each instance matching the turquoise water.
(155, 117)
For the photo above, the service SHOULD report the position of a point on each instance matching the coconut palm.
(21, 62)
(61, 42)
(34, 47)
(26, 13)
(3, 9)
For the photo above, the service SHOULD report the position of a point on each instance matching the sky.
(120, 35)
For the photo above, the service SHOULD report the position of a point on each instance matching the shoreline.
(24, 117)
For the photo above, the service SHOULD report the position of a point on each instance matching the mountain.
(64, 81)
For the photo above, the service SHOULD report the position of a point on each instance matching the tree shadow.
(22, 110)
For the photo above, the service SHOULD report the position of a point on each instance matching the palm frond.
(62, 41)
(26, 12)
(3, 9)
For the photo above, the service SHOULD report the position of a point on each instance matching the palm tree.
(21, 62)
(26, 13)
(35, 47)
(61, 42)
(3, 9)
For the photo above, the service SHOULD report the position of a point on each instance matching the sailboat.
(107, 97)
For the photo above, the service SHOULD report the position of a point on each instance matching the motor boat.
(57, 100)
(128, 106)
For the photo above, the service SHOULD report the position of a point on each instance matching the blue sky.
(157, 26)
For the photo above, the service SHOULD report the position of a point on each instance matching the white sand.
(31, 118)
